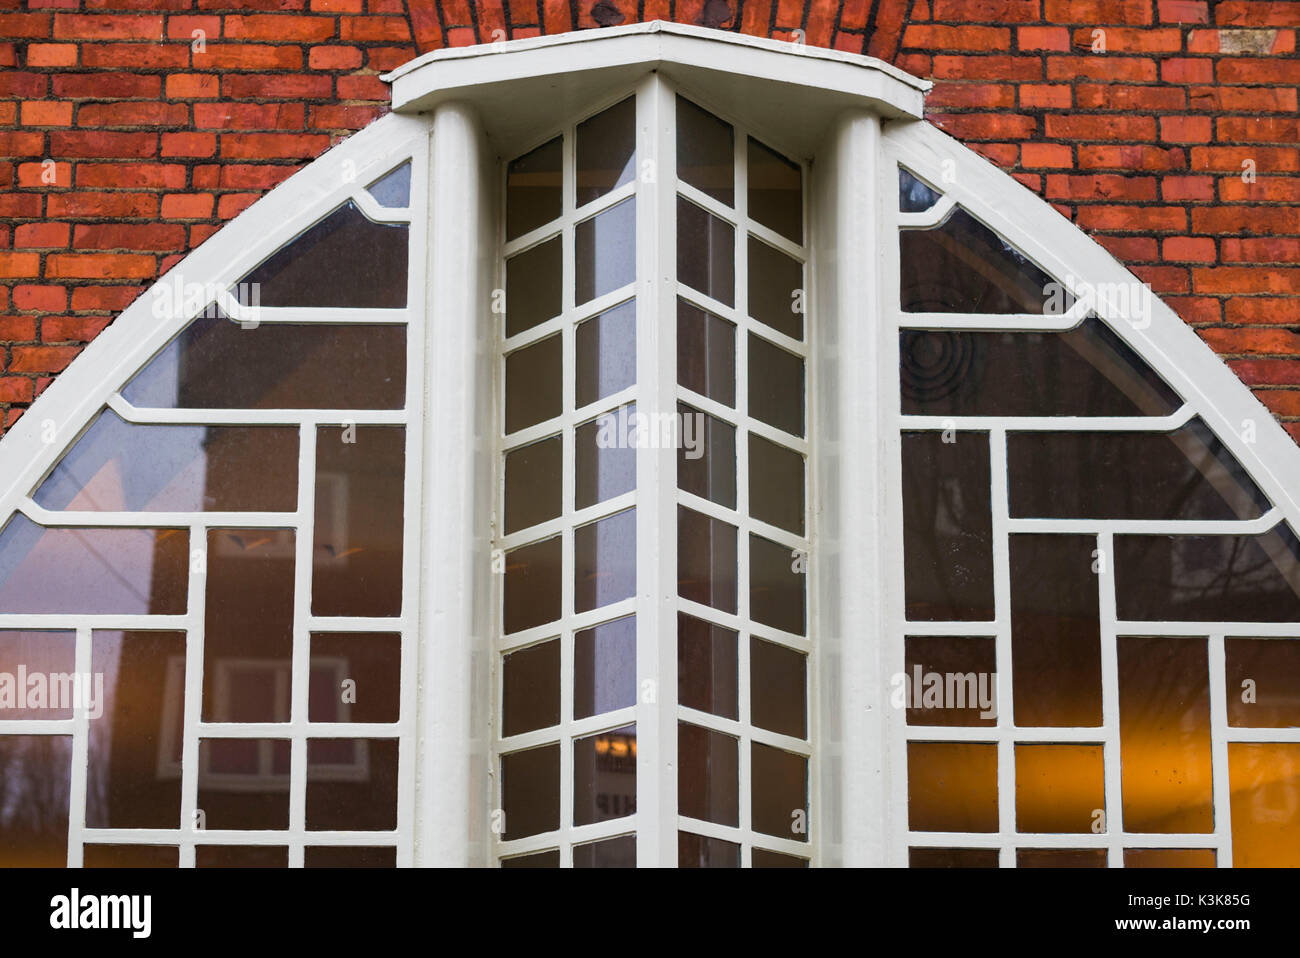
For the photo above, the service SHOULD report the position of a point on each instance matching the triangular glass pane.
(393, 190)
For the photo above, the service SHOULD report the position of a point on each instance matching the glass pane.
(776, 486)
(352, 784)
(35, 777)
(532, 587)
(1263, 682)
(762, 858)
(706, 667)
(778, 688)
(534, 384)
(708, 775)
(534, 280)
(1264, 779)
(947, 526)
(1060, 788)
(612, 853)
(335, 856)
(775, 289)
(530, 791)
(1183, 474)
(706, 560)
(913, 195)
(533, 188)
(345, 260)
(116, 466)
(1209, 578)
(92, 570)
(952, 786)
(604, 776)
(130, 856)
(1171, 858)
(952, 858)
(355, 677)
(1055, 631)
(606, 151)
(706, 354)
(215, 363)
(530, 688)
(534, 475)
(706, 252)
(393, 190)
(949, 680)
(604, 668)
(962, 266)
(706, 152)
(126, 786)
(549, 859)
(696, 851)
(1086, 371)
(31, 658)
(775, 386)
(606, 353)
(241, 856)
(1060, 858)
(604, 561)
(706, 456)
(243, 783)
(1164, 732)
(357, 550)
(605, 251)
(775, 191)
(605, 456)
(776, 585)
(779, 796)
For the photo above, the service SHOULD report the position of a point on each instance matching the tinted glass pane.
(534, 279)
(533, 194)
(534, 384)
(775, 191)
(949, 680)
(605, 456)
(243, 783)
(331, 856)
(604, 561)
(1060, 858)
(1170, 858)
(706, 456)
(604, 776)
(218, 364)
(762, 858)
(241, 856)
(706, 152)
(530, 791)
(778, 688)
(40, 654)
(775, 386)
(1060, 788)
(1264, 779)
(696, 851)
(706, 252)
(533, 479)
(532, 587)
(530, 683)
(352, 784)
(776, 585)
(952, 786)
(605, 251)
(393, 190)
(1055, 631)
(606, 151)
(914, 197)
(775, 289)
(952, 858)
(357, 550)
(604, 667)
(779, 796)
(706, 354)
(606, 353)
(130, 856)
(35, 776)
(947, 526)
(706, 666)
(612, 853)
(549, 859)
(355, 677)
(708, 774)
(1263, 682)
(1086, 371)
(706, 560)
(345, 260)
(776, 486)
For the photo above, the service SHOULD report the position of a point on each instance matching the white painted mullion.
(1006, 733)
(80, 751)
(193, 702)
(1109, 732)
(300, 665)
(1222, 784)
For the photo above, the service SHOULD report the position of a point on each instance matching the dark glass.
(696, 851)
(951, 680)
(1264, 781)
(606, 354)
(706, 353)
(776, 289)
(604, 561)
(530, 683)
(1263, 682)
(1055, 631)
(604, 667)
(604, 776)
(1209, 578)
(611, 853)
(952, 858)
(947, 526)
(92, 570)
(125, 784)
(116, 466)
(355, 677)
(779, 793)
(35, 778)
(605, 451)
(606, 151)
(533, 188)
(130, 856)
(775, 191)
(1164, 735)
(952, 786)
(550, 859)
(775, 386)
(1183, 474)
(352, 784)
(534, 477)
(43, 654)
(776, 585)
(706, 152)
(393, 190)
(345, 260)
(706, 667)
(708, 775)
(605, 252)
(914, 197)
(243, 783)
(349, 856)
(962, 266)
(762, 858)
(1060, 788)
(1085, 371)
(530, 791)
(778, 688)
(776, 487)
(215, 363)
(534, 280)
(706, 560)
(248, 624)
(706, 252)
(533, 588)
(534, 384)
(1170, 858)
(241, 856)
(706, 456)
(1060, 858)
(357, 550)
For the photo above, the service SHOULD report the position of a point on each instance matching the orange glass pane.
(1264, 778)
(1060, 858)
(952, 786)
(1059, 788)
(1169, 858)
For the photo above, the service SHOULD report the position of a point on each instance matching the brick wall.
(130, 130)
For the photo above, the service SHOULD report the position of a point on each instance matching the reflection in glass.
(775, 289)
(696, 851)
(706, 152)
(1272, 669)
(605, 251)
(352, 784)
(604, 776)
(1170, 858)
(604, 464)
(775, 191)
(777, 575)
(762, 858)
(951, 680)
(604, 667)
(1060, 788)
(533, 284)
(241, 856)
(706, 252)
(706, 666)
(548, 859)
(776, 487)
(779, 793)
(533, 479)
(130, 856)
(606, 151)
(706, 353)
(35, 777)
(43, 654)
(244, 783)
(708, 774)
(778, 688)
(775, 386)
(534, 384)
(530, 688)
(604, 561)
(952, 786)
(1264, 779)
(952, 858)
(532, 587)
(611, 853)
(913, 195)
(355, 677)
(393, 190)
(344, 856)
(533, 188)
(606, 354)
(706, 560)
(706, 456)
(530, 791)
(1060, 858)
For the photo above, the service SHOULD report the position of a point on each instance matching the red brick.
(1101, 187)
(1246, 342)
(1118, 96)
(1258, 129)
(1270, 71)
(1142, 219)
(249, 116)
(109, 298)
(334, 58)
(1043, 155)
(100, 204)
(17, 329)
(1257, 13)
(1246, 279)
(362, 88)
(1185, 129)
(1240, 99)
(1188, 249)
(1265, 189)
(232, 204)
(52, 55)
(259, 86)
(262, 146)
(261, 176)
(72, 329)
(152, 237)
(1184, 70)
(1246, 310)
(1284, 250)
(279, 28)
(98, 26)
(1127, 157)
(46, 113)
(19, 26)
(15, 389)
(1187, 188)
(1106, 128)
(1052, 97)
(42, 298)
(186, 206)
(986, 126)
(1096, 11)
(1225, 159)
(244, 56)
(132, 114)
(107, 86)
(1183, 11)
(130, 176)
(112, 55)
(190, 86)
(189, 144)
(352, 117)
(1276, 220)
(1131, 249)
(936, 37)
(1281, 402)
(19, 265)
(381, 29)
(41, 359)
(1196, 309)
(41, 236)
(1110, 68)
(997, 67)
(1042, 38)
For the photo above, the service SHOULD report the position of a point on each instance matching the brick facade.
(1168, 129)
